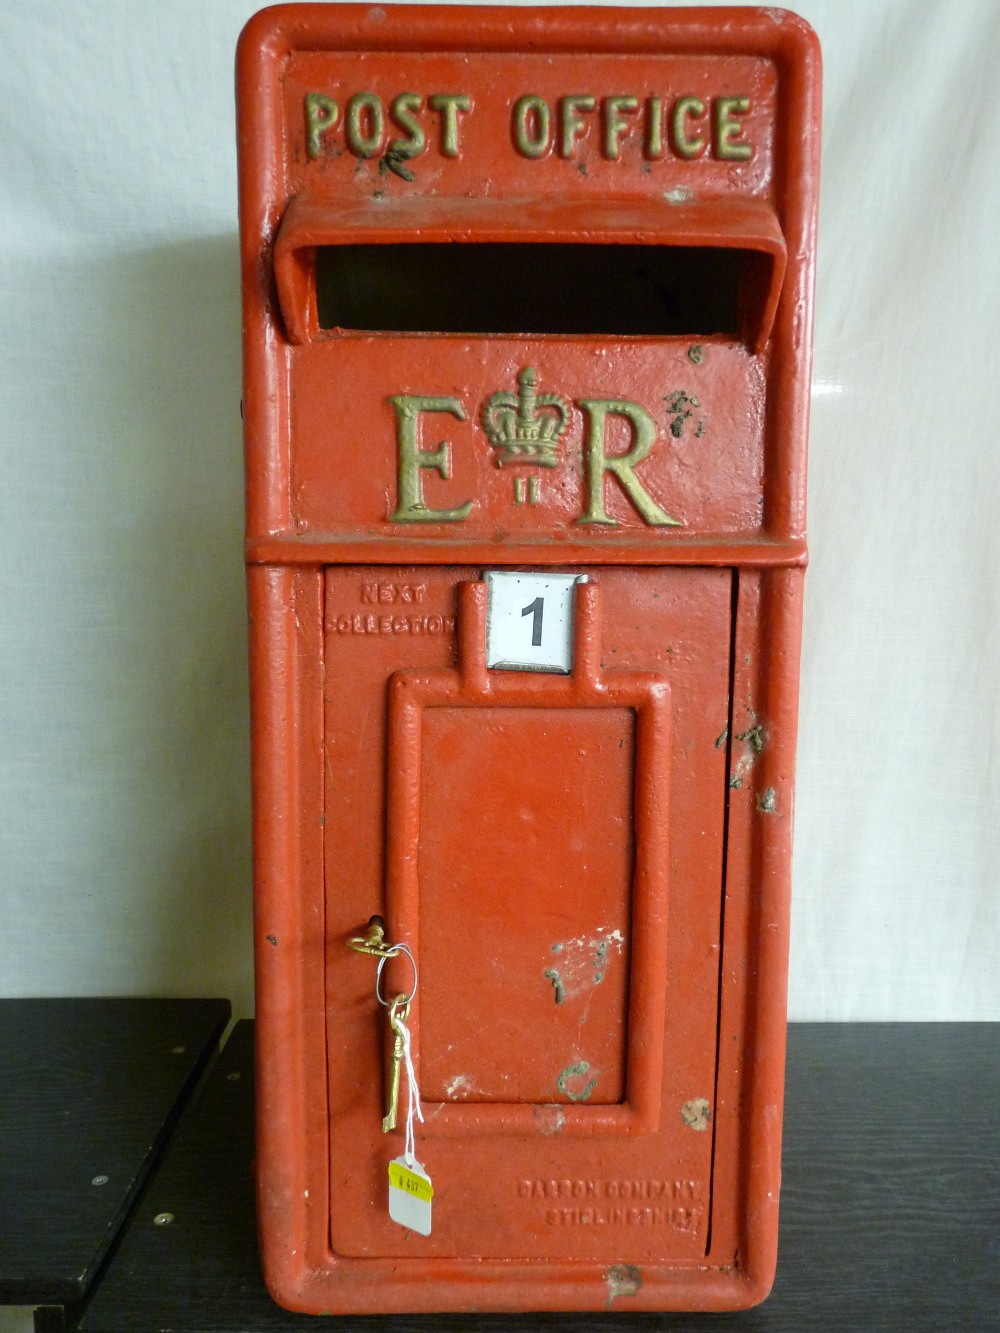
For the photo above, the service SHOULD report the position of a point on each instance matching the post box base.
(360, 1289)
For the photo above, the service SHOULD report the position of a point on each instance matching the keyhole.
(534, 609)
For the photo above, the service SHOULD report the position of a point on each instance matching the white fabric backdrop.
(124, 860)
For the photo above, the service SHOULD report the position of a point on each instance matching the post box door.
(552, 850)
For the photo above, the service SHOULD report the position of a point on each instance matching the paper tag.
(410, 1194)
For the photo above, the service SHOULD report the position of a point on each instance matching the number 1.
(534, 609)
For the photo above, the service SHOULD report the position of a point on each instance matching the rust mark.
(623, 1280)
(697, 1114)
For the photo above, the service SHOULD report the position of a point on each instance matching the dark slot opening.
(527, 287)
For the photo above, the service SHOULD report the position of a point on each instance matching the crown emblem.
(526, 427)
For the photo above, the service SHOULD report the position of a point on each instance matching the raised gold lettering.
(532, 125)
(728, 126)
(410, 507)
(321, 116)
(448, 105)
(684, 144)
(615, 124)
(572, 125)
(621, 466)
(404, 112)
(654, 128)
(365, 124)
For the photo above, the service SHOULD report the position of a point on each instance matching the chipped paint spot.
(600, 960)
(585, 963)
(579, 1070)
(549, 1119)
(395, 160)
(680, 194)
(679, 407)
(755, 736)
(697, 1114)
(722, 737)
(557, 984)
(754, 740)
(623, 1280)
(767, 802)
(460, 1083)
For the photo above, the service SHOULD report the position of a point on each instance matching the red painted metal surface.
(591, 869)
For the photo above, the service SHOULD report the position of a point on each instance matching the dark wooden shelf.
(890, 1205)
(89, 1092)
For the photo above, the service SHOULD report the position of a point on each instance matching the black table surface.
(890, 1211)
(89, 1091)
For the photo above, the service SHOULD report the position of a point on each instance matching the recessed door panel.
(527, 814)
(551, 848)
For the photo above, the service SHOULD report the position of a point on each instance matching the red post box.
(527, 336)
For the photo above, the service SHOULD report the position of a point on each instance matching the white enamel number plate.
(530, 621)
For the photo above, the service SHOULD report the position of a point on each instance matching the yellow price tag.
(410, 1194)
(403, 1178)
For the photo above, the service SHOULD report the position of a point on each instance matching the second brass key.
(398, 1012)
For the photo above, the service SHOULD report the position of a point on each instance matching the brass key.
(398, 1011)
(372, 941)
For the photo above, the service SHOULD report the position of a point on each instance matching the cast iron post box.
(527, 334)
